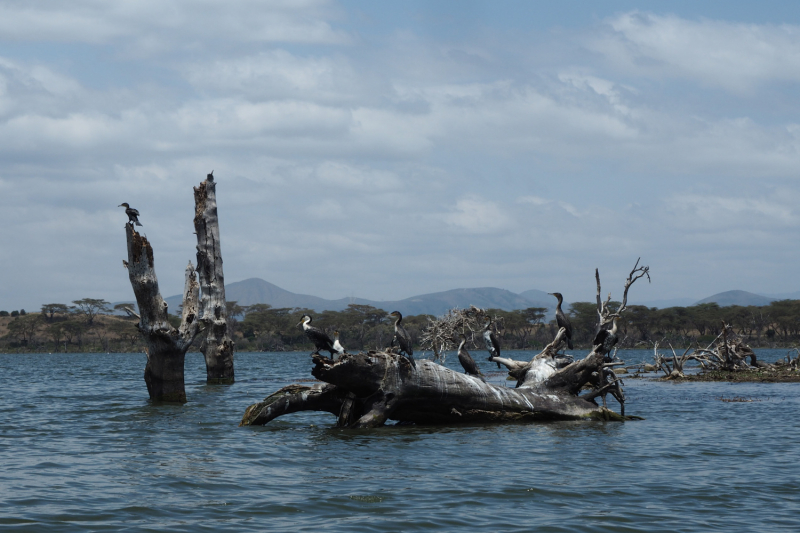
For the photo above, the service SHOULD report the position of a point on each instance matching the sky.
(388, 149)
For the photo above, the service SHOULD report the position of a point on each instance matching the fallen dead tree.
(727, 352)
(367, 389)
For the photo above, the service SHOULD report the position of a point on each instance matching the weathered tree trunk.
(217, 347)
(367, 389)
(166, 346)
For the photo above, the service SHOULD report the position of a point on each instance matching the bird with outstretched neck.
(562, 320)
(133, 214)
(317, 336)
(402, 337)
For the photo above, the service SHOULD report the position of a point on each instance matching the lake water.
(83, 449)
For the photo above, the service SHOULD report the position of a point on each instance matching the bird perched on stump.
(491, 341)
(317, 336)
(607, 339)
(133, 214)
(336, 344)
(466, 360)
(562, 320)
(402, 337)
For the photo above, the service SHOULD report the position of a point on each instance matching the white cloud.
(150, 26)
(736, 56)
(404, 155)
(477, 215)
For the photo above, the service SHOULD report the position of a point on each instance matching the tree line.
(93, 325)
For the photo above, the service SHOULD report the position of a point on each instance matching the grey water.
(83, 449)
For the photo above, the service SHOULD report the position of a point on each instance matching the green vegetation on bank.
(91, 325)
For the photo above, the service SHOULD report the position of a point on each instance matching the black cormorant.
(403, 338)
(562, 320)
(467, 361)
(606, 339)
(133, 214)
(491, 341)
(336, 344)
(317, 336)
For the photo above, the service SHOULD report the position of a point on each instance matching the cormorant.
(491, 341)
(133, 214)
(606, 339)
(317, 336)
(403, 338)
(336, 344)
(562, 320)
(466, 360)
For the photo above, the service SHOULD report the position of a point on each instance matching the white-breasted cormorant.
(491, 341)
(466, 360)
(402, 337)
(606, 339)
(562, 320)
(133, 214)
(317, 336)
(336, 344)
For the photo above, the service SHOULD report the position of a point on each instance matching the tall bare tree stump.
(217, 346)
(165, 346)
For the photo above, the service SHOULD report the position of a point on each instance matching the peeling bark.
(217, 346)
(165, 346)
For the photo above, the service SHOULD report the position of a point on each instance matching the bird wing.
(600, 338)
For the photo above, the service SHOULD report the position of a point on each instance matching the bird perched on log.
(562, 320)
(606, 339)
(336, 344)
(133, 214)
(402, 337)
(317, 336)
(491, 341)
(466, 360)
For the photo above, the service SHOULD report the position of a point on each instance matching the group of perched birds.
(322, 341)
(605, 339)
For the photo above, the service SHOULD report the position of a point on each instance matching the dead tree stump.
(217, 346)
(165, 346)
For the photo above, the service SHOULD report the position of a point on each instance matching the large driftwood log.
(165, 346)
(217, 346)
(367, 389)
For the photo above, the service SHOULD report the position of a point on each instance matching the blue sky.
(383, 150)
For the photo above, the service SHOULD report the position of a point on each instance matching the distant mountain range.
(255, 290)
(737, 298)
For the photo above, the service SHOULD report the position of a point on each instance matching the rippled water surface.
(83, 449)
